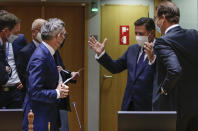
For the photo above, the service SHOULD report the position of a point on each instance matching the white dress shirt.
(36, 43)
(14, 79)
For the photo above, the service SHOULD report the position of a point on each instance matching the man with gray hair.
(43, 89)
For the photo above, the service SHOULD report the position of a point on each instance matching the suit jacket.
(63, 103)
(4, 76)
(177, 53)
(41, 95)
(138, 92)
(23, 59)
(17, 44)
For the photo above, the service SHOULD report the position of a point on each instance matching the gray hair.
(51, 28)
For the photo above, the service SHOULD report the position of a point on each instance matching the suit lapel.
(142, 67)
(33, 47)
(135, 61)
(51, 59)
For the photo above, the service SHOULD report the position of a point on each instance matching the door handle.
(106, 76)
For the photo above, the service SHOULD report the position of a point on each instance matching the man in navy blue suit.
(10, 94)
(177, 53)
(138, 93)
(43, 87)
(24, 57)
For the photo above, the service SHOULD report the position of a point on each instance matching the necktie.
(140, 63)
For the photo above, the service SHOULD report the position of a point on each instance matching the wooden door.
(72, 52)
(26, 13)
(112, 89)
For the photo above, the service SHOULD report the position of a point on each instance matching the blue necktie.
(140, 63)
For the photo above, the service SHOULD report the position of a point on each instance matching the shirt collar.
(51, 50)
(36, 43)
(172, 26)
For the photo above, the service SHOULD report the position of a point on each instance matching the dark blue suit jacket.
(41, 95)
(177, 53)
(138, 93)
(24, 57)
(4, 76)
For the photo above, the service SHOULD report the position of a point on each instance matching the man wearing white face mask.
(11, 96)
(138, 93)
(27, 51)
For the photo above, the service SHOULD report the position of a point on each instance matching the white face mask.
(141, 40)
(38, 37)
(11, 38)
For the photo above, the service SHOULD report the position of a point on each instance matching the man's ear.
(33, 33)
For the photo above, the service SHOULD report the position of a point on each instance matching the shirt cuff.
(98, 57)
(164, 92)
(151, 62)
(58, 93)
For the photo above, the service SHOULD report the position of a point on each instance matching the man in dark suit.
(138, 93)
(11, 95)
(177, 53)
(43, 89)
(26, 52)
(24, 57)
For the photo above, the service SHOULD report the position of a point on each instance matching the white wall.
(93, 76)
(188, 13)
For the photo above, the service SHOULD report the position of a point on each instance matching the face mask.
(157, 27)
(141, 40)
(62, 43)
(38, 37)
(11, 38)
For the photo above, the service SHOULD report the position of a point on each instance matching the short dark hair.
(147, 22)
(8, 20)
(170, 10)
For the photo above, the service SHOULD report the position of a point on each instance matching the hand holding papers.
(74, 75)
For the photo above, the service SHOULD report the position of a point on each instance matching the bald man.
(27, 51)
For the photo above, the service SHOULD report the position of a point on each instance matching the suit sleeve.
(22, 62)
(36, 86)
(3, 74)
(114, 66)
(171, 62)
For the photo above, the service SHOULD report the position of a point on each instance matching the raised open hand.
(97, 46)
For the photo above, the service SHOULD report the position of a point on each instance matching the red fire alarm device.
(124, 35)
